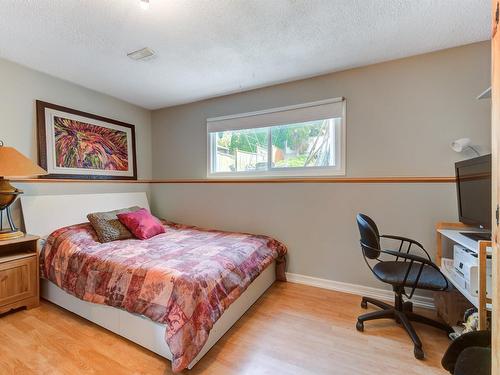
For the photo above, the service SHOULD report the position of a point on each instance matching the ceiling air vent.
(141, 54)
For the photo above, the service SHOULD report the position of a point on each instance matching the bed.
(44, 215)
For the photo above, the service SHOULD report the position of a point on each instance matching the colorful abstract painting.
(81, 145)
(76, 144)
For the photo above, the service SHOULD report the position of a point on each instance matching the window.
(303, 140)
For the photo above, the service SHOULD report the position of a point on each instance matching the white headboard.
(45, 213)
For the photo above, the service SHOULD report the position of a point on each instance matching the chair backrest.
(370, 241)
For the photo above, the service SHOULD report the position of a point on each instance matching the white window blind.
(330, 108)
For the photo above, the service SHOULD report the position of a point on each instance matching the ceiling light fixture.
(144, 4)
(141, 54)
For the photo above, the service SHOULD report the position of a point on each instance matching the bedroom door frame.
(495, 147)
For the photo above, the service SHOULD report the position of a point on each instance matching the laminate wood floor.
(292, 329)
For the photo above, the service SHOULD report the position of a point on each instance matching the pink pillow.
(141, 223)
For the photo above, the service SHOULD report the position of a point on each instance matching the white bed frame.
(45, 213)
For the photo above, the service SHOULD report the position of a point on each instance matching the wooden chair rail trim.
(75, 180)
(330, 180)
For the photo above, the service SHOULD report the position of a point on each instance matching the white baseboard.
(383, 294)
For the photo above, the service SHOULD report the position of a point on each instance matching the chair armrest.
(409, 240)
(476, 338)
(412, 257)
(400, 238)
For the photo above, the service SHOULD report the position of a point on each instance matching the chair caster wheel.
(364, 304)
(360, 326)
(418, 352)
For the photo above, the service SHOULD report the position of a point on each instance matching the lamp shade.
(14, 164)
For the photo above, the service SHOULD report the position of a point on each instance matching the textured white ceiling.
(207, 48)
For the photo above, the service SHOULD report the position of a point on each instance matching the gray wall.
(315, 221)
(20, 87)
(401, 117)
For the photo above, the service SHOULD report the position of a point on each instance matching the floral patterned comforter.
(185, 278)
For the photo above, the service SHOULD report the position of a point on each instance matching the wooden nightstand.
(19, 280)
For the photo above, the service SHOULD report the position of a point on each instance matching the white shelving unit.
(453, 232)
(457, 237)
(448, 270)
(486, 94)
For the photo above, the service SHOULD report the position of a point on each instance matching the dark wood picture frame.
(42, 142)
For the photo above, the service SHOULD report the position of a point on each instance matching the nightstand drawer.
(18, 279)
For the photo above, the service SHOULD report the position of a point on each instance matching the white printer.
(466, 266)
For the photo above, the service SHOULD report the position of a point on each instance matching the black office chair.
(403, 270)
(469, 354)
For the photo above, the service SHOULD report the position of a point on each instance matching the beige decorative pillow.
(108, 227)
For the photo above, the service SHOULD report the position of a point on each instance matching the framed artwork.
(76, 144)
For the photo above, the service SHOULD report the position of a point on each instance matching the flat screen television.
(474, 191)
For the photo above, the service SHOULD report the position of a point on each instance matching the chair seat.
(394, 273)
(474, 361)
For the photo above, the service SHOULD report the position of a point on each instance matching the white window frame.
(340, 147)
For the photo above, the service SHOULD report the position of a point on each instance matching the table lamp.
(13, 164)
